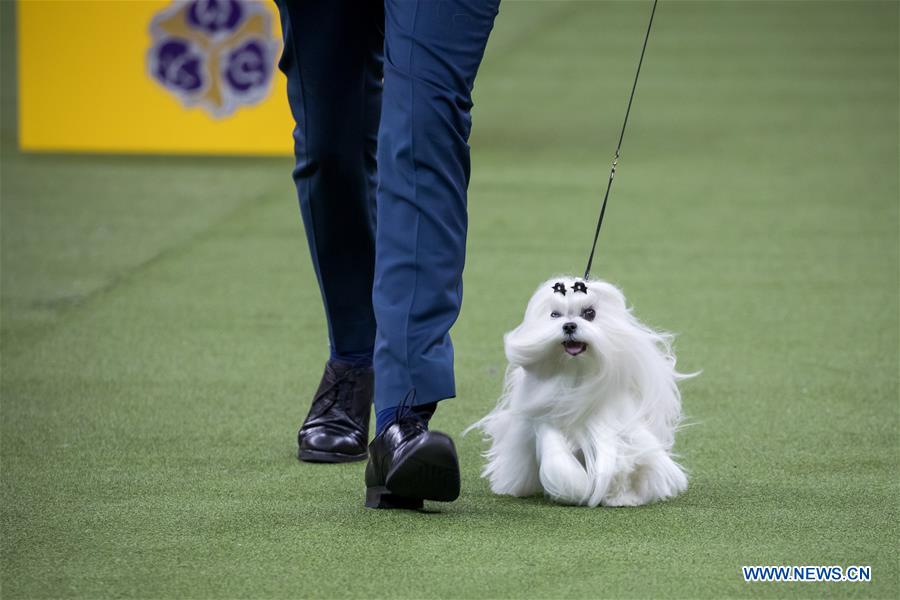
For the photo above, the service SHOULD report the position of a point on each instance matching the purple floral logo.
(217, 54)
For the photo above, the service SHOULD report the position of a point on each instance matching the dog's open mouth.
(574, 348)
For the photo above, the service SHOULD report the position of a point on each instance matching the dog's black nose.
(569, 328)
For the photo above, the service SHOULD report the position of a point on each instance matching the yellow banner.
(151, 76)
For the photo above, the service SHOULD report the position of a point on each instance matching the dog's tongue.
(574, 348)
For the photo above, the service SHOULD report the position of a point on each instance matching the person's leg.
(432, 54)
(333, 62)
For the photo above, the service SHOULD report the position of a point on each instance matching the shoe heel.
(380, 497)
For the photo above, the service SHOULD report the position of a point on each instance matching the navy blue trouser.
(381, 92)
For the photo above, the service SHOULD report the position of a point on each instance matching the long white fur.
(595, 428)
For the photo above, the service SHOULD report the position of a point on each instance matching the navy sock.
(353, 359)
(386, 416)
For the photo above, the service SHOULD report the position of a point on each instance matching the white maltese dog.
(590, 402)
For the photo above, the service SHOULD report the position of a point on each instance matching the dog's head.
(571, 323)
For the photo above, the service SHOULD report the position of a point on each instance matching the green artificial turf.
(162, 332)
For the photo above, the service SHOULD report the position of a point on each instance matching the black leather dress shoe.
(337, 427)
(409, 464)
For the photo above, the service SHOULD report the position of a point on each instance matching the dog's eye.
(588, 314)
(555, 314)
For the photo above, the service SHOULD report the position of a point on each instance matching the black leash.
(612, 172)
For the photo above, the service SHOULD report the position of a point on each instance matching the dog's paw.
(565, 480)
(676, 482)
(659, 479)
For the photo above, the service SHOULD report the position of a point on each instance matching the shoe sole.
(430, 471)
(381, 497)
(321, 456)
